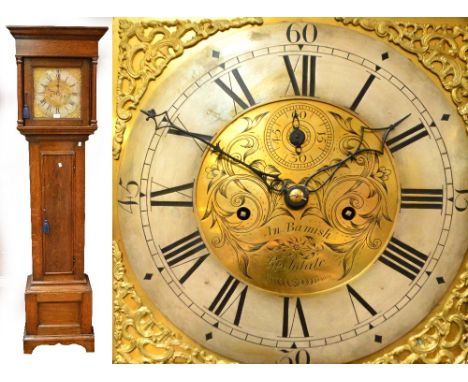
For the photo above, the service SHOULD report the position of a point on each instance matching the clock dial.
(258, 249)
(57, 92)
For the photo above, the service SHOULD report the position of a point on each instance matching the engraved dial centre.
(314, 234)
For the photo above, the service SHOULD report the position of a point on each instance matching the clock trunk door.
(57, 210)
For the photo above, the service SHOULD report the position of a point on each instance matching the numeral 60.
(309, 33)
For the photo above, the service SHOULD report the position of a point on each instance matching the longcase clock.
(56, 113)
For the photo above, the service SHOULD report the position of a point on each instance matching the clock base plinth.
(58, 313)
(31, 341)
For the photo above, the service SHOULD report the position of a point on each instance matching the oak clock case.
(57, 69)
(287, 192)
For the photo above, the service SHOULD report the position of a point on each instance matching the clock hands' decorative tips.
(358, 150)
(167, 123)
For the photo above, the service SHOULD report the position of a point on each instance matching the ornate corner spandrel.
(144, 51)
(444, 338)
(138, 336)
(442, 49)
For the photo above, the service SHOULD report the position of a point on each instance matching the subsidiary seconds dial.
(317, 142)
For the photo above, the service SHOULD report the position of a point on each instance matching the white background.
(72, 363)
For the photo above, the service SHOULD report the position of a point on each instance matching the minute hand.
(151, 114)
(358, 150)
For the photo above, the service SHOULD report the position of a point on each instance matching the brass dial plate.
(156, 170)
(57, 93)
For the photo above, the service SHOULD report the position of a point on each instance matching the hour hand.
(167, 123)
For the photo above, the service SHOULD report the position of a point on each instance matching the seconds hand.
(151, 114)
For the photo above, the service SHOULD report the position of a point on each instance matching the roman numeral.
(236, 98)
(422, 198)
(289, 324)
(188, 249)
(156, 200)
(403, 258)
(309, 64)
(356, 297)
(225, 296)
(406, 138)
(362, 93)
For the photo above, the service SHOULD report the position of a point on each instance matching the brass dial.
(341, 228)
(57, 92)
(273, 260)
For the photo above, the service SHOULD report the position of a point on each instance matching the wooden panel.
(58, 208)
(54, 48)
(55, 318)
(56, 313)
